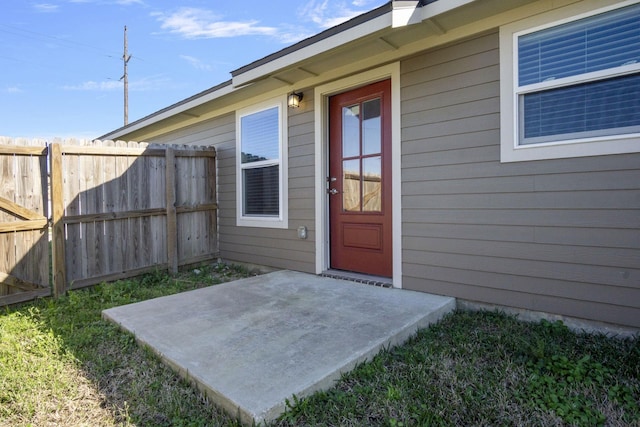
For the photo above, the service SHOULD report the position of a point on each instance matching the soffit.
(389, 40)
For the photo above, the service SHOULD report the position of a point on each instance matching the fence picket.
(172, 226)
(110, 194)
(59, 270)
(7, 240)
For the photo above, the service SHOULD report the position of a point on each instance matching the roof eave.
(179, 107)
(391, 15)
(360, 26)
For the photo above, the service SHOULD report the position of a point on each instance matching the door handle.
(332, 191)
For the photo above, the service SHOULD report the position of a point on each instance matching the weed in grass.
(393, 393)
(563, 379)
(296, 408)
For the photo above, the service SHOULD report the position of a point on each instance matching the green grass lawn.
(486, 369)
(61, 364)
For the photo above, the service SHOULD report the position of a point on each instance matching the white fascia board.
(154, 118)
(406, 13)
(363, 30)
(432, 10)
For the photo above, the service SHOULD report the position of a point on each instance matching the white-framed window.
(570, 85)
(261, 165)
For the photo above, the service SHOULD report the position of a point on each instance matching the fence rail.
(117, 209)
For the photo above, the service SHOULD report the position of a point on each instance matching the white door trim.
(321, 109)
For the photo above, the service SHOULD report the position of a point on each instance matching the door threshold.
(383, 282)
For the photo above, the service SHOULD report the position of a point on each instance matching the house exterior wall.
(279, 248)
(559, 236)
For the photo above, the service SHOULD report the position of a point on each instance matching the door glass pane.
(371, 136)
(351, 131)
(351, 185)
(372, 184)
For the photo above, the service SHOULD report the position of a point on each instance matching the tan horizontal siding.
(455, 52)
(599, 199)
(296, 247)
(576, 236)
(573, 236)
(213, 132)
(560, 236)
(297, 254)
(524, 266)
(617, 163)
(267, 259)
(599, 218)
(566, 254)
(533, 300)
(536, 285)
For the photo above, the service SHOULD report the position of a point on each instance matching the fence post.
(57, 215)
(172, 222)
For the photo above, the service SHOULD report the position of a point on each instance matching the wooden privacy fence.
(119, 209)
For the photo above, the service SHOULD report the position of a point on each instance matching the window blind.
(611, 105)
(261, 191)
(592, 44)
(260, 137)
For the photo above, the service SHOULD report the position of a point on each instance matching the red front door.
(360, 180)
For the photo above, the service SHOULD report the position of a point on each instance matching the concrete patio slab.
(252, 343)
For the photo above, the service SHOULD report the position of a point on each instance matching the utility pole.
(125, 58)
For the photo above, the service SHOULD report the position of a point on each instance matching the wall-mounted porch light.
(293, 99)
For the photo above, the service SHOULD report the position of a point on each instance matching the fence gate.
(24, 228)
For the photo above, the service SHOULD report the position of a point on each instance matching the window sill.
(566, 149)
(262, 222)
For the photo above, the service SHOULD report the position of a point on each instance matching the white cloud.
(45, 7)
(193, 23)
(327, 13)
(156, 82)
(196, 23)
(13, 89)
(196, 63)
(293, 35)
(95, 86)
(149, 83)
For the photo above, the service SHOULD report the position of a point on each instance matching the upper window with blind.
(575, 81)
(261, 166)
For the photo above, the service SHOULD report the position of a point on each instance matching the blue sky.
(61, 60)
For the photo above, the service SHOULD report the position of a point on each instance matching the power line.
(21, 32)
